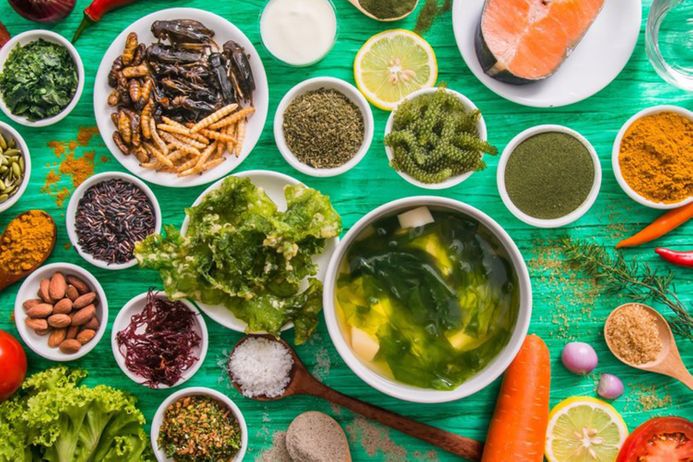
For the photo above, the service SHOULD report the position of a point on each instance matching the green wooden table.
(567, 306)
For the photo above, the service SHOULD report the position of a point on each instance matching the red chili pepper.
(94, 12)
(677, 258)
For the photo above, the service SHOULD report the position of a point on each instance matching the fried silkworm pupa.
(124, 127)
(135, 128)
(130, 48)
(114, 98)
(116, 68)
(139, 54)
(136, 71)
(142, 155)
(147, 89)
(118, 140)
(134, 88)
(146, 116)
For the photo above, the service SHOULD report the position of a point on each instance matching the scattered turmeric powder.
(26, 241)
(656, 158)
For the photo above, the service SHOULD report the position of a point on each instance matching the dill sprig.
(639, 281)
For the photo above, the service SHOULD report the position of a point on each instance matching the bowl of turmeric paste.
(652, 157)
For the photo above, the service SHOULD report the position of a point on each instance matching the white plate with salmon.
(546, 53)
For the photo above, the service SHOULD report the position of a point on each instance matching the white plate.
(224, 31)
(594, 64)
(273, 184)
(135, 306)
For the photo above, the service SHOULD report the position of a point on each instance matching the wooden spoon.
(668, 361)
(303, 383)
(7, 278)
(358, 6)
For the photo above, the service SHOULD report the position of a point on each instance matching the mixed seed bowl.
(15, 166)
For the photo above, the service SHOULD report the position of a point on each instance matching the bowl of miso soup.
(427, 299)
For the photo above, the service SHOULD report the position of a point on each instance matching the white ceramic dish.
(407, 392)
(8, 131)
(193, 391)
(224, 31)
(273, 184)
(555, 222)
(450, 182)
(347, 90)
(617, 166)
(135, 306)
(72, 212)
(29, 289)
(31, 36)
(594, 64)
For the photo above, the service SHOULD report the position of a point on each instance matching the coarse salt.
(261, 367)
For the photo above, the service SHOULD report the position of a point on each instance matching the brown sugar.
(632, 332)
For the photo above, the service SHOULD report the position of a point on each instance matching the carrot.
(662, 225)
(518, 428)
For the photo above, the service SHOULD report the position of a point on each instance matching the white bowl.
(29, 289)
(617, 166)
(32, 36)
(135, 306)
(452, 181)
(224, 30)
(273, 184)
(194, 391)
(554, 222)
(72, 212)
(8, 131)
(347, 90)
(407, 392)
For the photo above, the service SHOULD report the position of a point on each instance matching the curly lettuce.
(54, 419)
(241, 252)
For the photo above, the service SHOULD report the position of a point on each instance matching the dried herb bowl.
(71, 214)
(347, 90)
(7, 131)
(32, 36)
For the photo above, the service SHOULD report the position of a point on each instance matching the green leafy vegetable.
(241, 252)
(38, 80)
(54, 419)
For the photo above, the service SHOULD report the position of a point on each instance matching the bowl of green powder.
(549, 176)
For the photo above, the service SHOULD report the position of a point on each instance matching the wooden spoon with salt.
(301, 382)
(357, 5)
(7, 278)
(668, 361)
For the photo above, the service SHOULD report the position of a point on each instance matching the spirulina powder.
(549, 175)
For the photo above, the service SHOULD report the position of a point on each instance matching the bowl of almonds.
(61, 312)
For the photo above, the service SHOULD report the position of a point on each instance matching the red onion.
(4, 35)
(579, 358)
(43, 10)
(610, 386)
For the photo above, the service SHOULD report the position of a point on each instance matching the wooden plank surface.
(567, 306)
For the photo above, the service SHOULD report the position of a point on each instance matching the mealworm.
(158, 155)
(180, 145)
(240, 136)
(190, 141)
(233, 118)
(214, 117)
(155, 136)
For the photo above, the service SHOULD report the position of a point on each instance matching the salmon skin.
(524, 41)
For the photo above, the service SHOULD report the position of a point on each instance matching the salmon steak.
(524, 41)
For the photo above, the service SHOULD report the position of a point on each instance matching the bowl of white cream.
(298, 32)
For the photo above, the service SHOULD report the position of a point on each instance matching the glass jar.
(669, 41)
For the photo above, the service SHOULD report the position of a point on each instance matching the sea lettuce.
(240, 251)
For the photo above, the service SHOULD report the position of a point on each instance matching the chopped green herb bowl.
(31, 36)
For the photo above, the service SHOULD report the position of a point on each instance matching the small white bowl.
(72, 212)
(400, 390)
(452, 181)
(347, 90)
(29, 289)
(615, 153)
(135, 306)
(8, 131)
(194, 391)
(555, 222)
(31, 36)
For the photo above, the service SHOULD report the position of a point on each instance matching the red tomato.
(4, 35)
(662, 439)
(12, 365)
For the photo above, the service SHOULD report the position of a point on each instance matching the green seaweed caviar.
(387, 9)
(429, 306)
(435, 137)
(549, 175)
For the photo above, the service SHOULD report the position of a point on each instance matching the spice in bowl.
(199, 428)
(111, 218)
(388, 9)
(323, 128)
(38, 80)
(656, 157)
(160, 342)
(549, 175)
(632, 332)
(435, 137)
(12, 167)
(261, 367)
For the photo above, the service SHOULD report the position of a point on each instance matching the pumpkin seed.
(4, 197)
(11, 167)
(3, 143)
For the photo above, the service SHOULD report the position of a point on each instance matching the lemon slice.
(393, 64)
(584, 429)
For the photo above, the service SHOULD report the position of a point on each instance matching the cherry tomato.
(4, 35)
(12, 365)
(662, 439)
